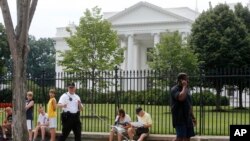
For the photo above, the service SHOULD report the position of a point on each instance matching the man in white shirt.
(71, 105)
(42, 123)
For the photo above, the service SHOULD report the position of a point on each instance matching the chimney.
(196, 6)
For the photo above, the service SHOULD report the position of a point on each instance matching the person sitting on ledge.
(42, 124)
(6, 127)
(121, 125)
(140, 128)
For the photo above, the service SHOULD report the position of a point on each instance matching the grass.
(209, 123)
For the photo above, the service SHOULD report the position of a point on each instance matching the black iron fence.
(220, 97)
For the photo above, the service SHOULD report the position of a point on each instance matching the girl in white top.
(122, 120)
(42, 123)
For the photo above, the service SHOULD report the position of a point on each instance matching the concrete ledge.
(102, 136)
(213, 138)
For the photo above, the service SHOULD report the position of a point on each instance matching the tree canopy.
(173, 54)
(4, 50)
(94, 45)
(221, 40)
(41, 57)
(244, 14)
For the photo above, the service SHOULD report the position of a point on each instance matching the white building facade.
(139, 28)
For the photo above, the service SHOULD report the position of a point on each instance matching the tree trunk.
(218, 100)
(18, 43)
(19, 91)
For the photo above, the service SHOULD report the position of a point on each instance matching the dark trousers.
(70, 122)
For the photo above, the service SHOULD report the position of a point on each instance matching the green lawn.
(210, 123)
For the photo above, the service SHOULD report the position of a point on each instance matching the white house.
(139, 28)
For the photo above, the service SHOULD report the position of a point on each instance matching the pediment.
(144, 12)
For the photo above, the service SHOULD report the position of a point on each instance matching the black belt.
(68, 112)
(72, 114)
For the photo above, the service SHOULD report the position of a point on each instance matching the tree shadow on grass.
(94, 117)
(237, 110)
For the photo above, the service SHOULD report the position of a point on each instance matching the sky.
(51, 14)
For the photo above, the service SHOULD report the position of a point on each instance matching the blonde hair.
(30, 93)
(52, 91)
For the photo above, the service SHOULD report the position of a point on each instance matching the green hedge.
(150, 96)
(209, 99)
(5, 96)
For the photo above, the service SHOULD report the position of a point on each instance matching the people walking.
(181, 108)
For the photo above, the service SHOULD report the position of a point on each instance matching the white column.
(136, 56)
(156, 38)
(130, 63)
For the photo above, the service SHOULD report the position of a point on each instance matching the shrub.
(150, 96)
(6, 96)
(209, 99)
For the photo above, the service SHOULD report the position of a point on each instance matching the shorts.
(52, 122)
(29, 124)
(183, 131)
(142, 130)
(118, 129)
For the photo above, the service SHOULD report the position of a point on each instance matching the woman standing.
(52, 114)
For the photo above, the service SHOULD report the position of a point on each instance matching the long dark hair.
(121, 112)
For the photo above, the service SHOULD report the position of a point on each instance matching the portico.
(139, 28)
(136, 46)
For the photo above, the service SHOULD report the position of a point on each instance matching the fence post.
(117, 101)
(43, 87)
(92, 91)
(202, 116)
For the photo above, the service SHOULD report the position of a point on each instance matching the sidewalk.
(103, 136)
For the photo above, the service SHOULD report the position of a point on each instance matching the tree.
(93, 47)
(173, 54)
(4, 50)
(41, 58)
(244, 14)
(221, 41)
(18, 45)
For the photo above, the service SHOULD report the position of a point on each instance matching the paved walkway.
(103, 136)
